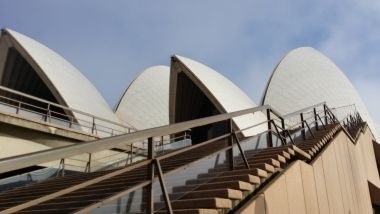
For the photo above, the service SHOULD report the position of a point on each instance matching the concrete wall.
(18, 140)
(335, 182)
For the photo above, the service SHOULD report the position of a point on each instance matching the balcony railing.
(34, 108)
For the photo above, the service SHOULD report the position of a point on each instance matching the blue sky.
(110, 42)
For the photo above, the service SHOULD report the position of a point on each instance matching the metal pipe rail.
(152, 161)
(35, 158)
(93, 123)
(155, 162)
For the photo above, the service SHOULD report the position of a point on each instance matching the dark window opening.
(19, 75)
(191, 103)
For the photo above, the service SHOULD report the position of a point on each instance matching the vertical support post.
(270, 139)
(131, 154)
(162, 142)
(303, 127)
(71, 122)
(230, 152)
(282, 123)
(316, 119)
(325, 109)
(18, 108)
(62, 167)
(89, 163)
(93, 125)
(47, 118)
(150, 195)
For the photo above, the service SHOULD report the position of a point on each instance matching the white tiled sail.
(145, 103)
(230, 97)
(65, 81)
(305, 77)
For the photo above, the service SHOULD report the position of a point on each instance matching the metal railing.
(92, 162)
(31, 107)
(277, 131)
(234, 144)
(349, 118)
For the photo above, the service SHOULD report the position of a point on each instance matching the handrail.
(152, 160)
(49, 103)
(31, 159)
(304, 109)
(35, 158)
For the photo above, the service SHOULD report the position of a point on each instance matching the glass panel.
(30, 177)
(7, 108)
(192, 177)
(253, 143)
(133, 202)
(32, 114)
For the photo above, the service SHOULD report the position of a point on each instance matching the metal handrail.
(304, 109)
(152, 161)
(48, 110)
(161, 175)
(35, 158)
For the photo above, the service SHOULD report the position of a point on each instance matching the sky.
(111, 42)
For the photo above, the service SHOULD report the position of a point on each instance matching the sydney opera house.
(183, 139)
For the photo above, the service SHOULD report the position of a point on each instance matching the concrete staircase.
(220, 190)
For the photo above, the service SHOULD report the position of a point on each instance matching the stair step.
(264, 166)
(246, 178)
(270, 161)
(208, 203)
(253, 171)
(237, 185)
(192, 211)
(219, 193)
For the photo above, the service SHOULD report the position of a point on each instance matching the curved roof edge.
(145, 102)
(223, 93)
(262, 100)
(70, 87)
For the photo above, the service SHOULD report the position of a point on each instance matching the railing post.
(71, 122)
(162, 142)
(316, 119)
(303, 127)
(93, 125)
(270, 139)
(150, 194)
(18, 108)
(88, 165)
(48, 114)
(131, 154)
(282, 123)
(61, 167)
(230, 152)
(325, 109)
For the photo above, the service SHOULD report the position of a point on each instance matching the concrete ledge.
(45, 127)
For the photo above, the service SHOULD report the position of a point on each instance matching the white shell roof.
(145, 103)
(73, 89)
(230, 97)
(305, 77)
